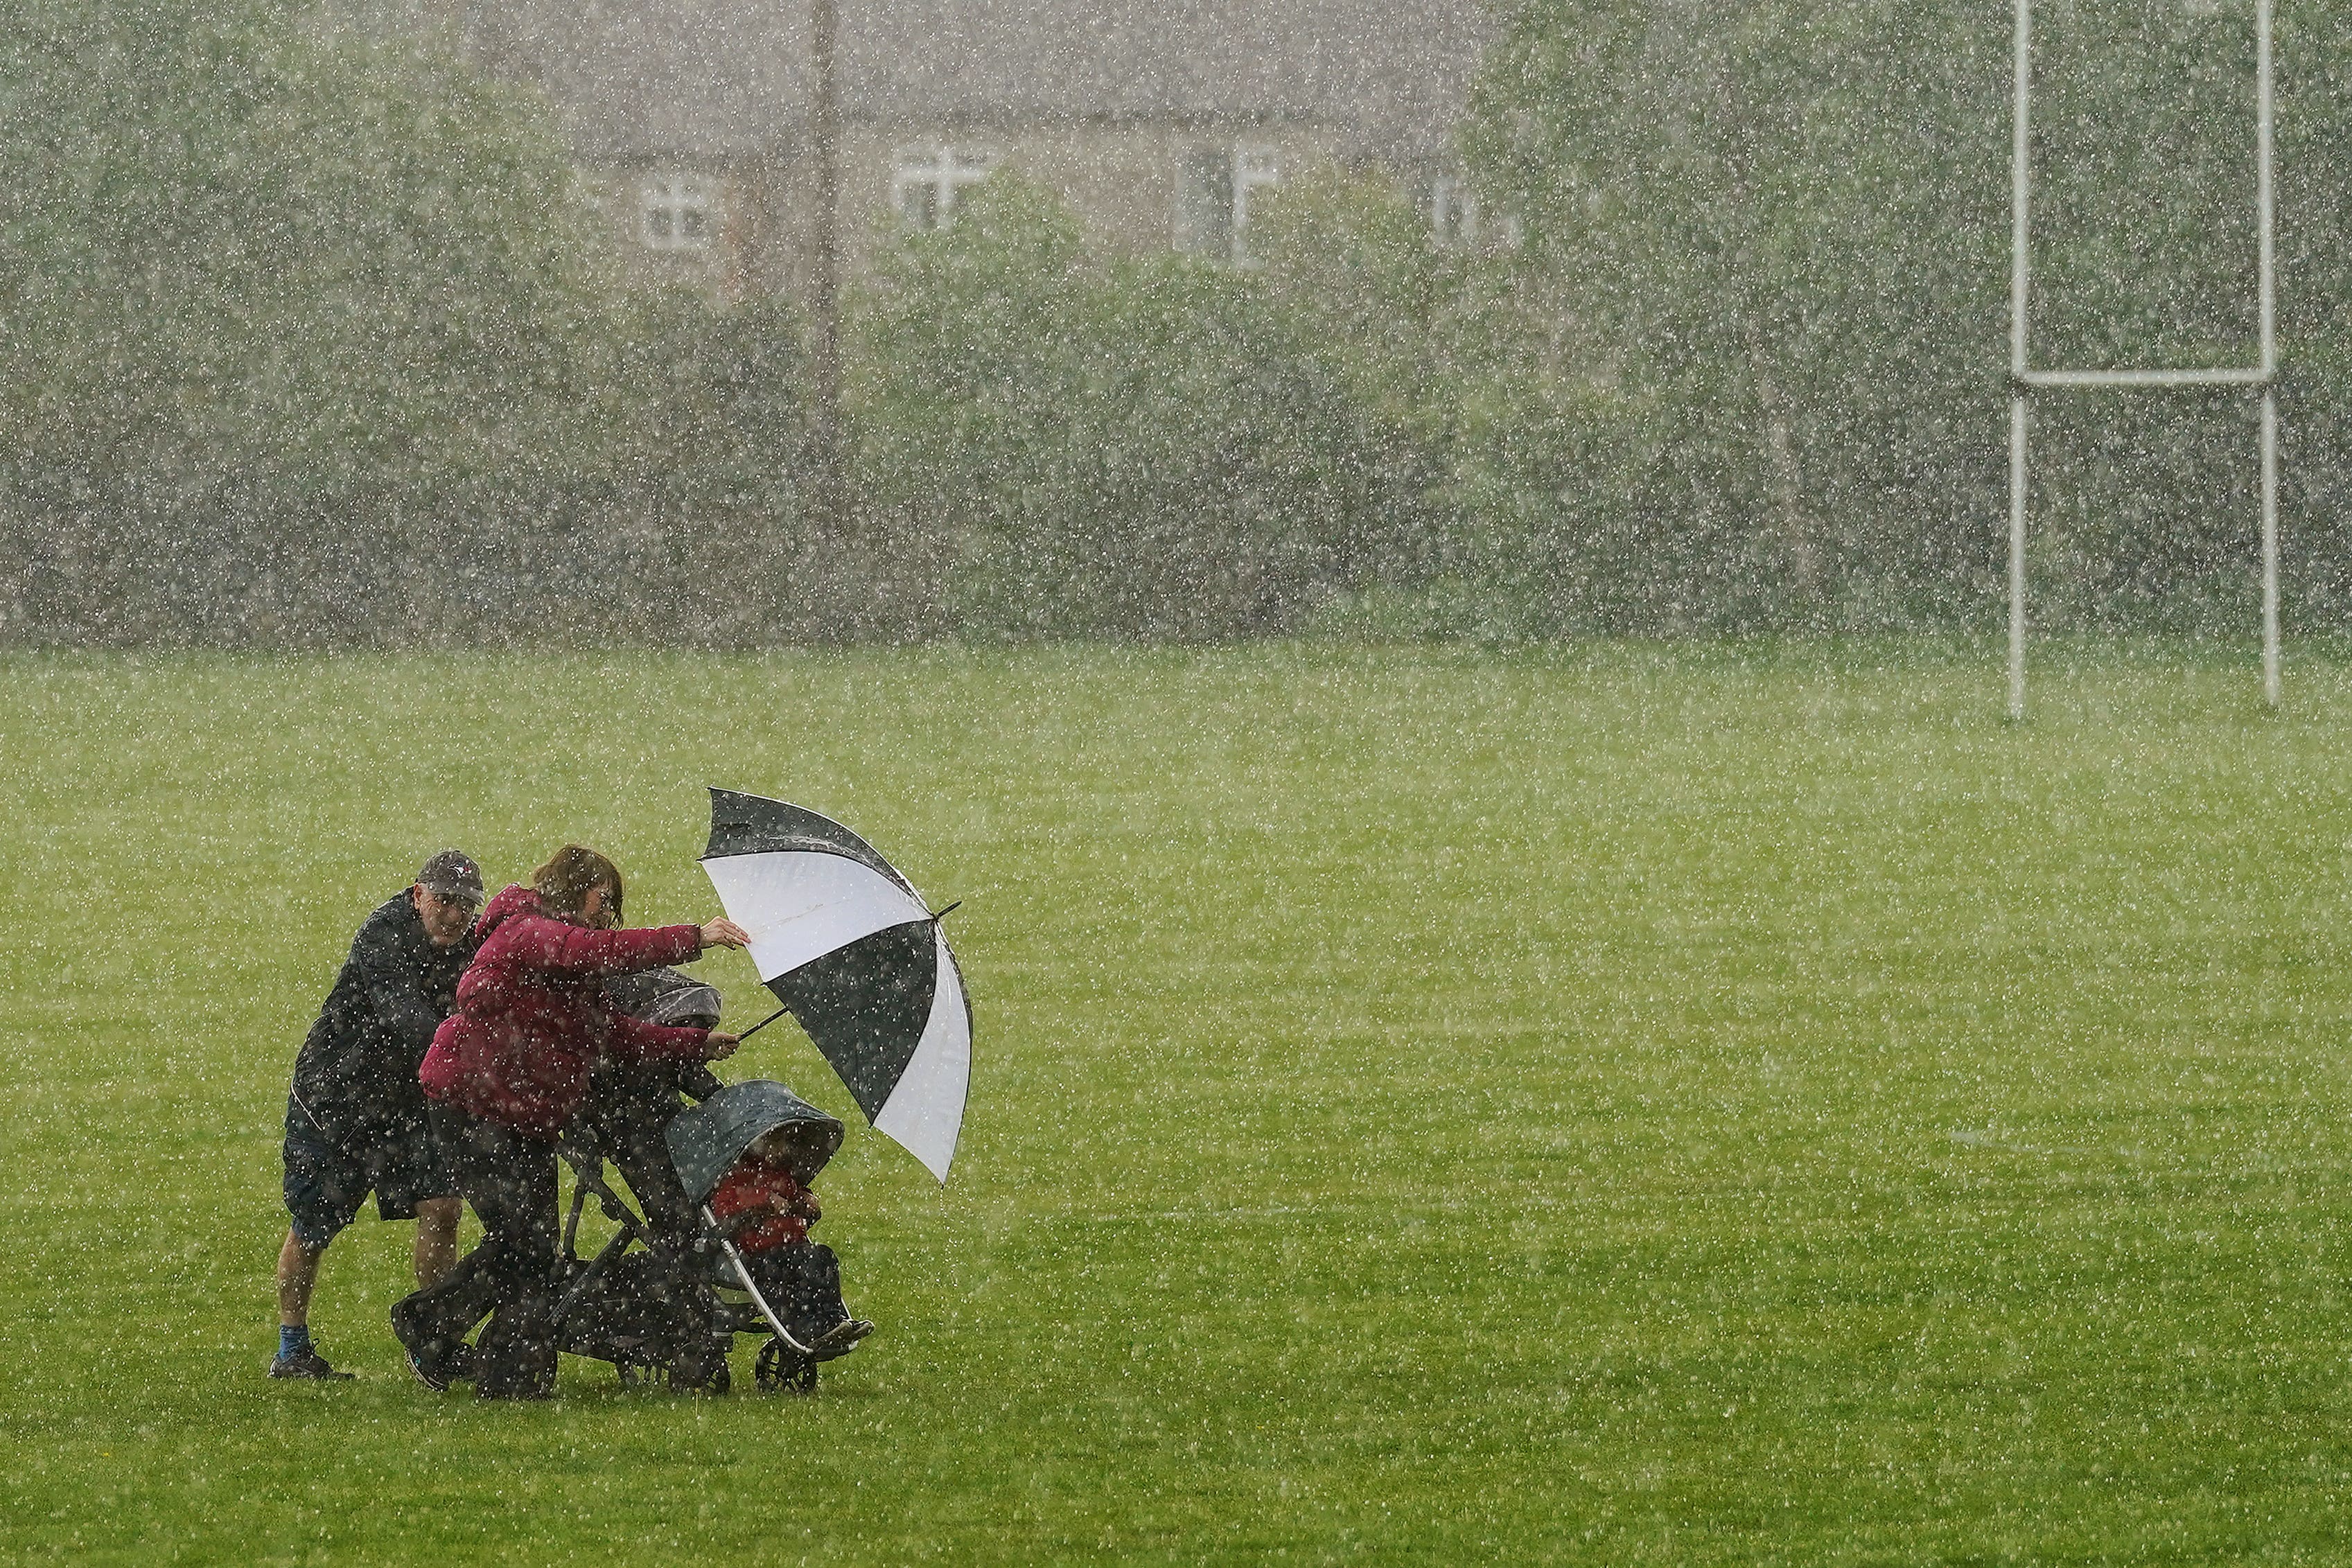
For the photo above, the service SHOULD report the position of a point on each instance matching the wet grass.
(1623, 1104)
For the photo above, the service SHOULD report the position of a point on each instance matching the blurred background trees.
(304, 340)
(1137, 448)
(301, 341)
(1785, 228)
(279, 306)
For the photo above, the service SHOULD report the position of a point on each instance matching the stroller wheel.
(780, 1370)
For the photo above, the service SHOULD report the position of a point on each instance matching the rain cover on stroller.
(704, 1142)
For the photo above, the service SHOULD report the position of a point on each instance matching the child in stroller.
(661, 1299)
(764, 1207)
(762, 1145)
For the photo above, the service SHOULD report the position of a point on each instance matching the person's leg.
(802, 1280)
(297, 1275)
(437, 1240)
(323, 1190)
(631, 1136)
(490, 1164)
(637, 1145)
(413, 1181)
(630, 1111)
(516, 1356)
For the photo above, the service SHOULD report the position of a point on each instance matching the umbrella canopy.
(849, 946)
(705, 1141)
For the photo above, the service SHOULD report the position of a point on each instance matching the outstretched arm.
(557, 947)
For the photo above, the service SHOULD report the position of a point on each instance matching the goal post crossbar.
(2038, 379)
(2024, 379)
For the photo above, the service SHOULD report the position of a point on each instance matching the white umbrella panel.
(852, 952)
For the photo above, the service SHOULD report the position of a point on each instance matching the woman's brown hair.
(570, 874)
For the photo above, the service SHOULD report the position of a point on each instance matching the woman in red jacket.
(505, 1073)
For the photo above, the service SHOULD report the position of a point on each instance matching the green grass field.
(1623, 1104)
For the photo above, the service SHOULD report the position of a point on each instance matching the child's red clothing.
(785, 1207)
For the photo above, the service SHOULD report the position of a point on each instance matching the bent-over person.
(506, 1074)
(355, 1119)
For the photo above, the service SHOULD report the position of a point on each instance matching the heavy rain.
(1033, 780)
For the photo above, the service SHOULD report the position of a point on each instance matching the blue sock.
(293, 1339)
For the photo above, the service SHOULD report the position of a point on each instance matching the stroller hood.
(664, 997)
(705, 1141)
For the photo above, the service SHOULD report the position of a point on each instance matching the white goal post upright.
(2024, 379)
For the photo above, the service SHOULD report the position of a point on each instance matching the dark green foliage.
(1777, 232)
(1146, 448)
(1494, 450)
(273, 301)
(299, 341)
(689, 491)
(1785, 228)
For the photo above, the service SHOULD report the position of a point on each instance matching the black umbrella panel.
(850, 948)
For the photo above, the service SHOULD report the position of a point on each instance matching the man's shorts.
(327, 1180)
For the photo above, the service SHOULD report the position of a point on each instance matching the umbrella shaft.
(763, 1023)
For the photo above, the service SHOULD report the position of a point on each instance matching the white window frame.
(1452, 211)
(678, 212)
(1246, 168)
(1255, 168)
(945, 171)
(1458, 220)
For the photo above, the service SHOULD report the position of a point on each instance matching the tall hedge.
(304, 339)
(1113, 447)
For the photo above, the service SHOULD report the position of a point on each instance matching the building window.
(678, 212)
(925, 185)
(1458, 221)
(1214, 187)
(1452, 212)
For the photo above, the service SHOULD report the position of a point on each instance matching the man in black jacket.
(355, 1120)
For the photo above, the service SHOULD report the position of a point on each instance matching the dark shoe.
(513, 1359)
(406, 1327)
(305, 1362)
(843, 1334)
(436, 1363)
(505, 1368)
(519, 1393)
(523, 1374)
(702, 1370)
(432, 1374)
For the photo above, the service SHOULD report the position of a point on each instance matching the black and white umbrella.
(859, 960)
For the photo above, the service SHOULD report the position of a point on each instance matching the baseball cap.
(453, 875)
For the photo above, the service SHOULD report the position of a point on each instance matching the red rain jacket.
(785, 1207)
(532, 1017)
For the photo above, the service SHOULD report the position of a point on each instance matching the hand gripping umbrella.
(856, 955)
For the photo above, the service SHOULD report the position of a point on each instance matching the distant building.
(1159, 123)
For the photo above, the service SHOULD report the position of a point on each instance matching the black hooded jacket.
(357, 1073)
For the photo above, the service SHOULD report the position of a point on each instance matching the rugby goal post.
(2024, 379)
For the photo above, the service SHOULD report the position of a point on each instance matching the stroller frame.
(783, 1362)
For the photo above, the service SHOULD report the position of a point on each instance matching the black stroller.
(666, 1296)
